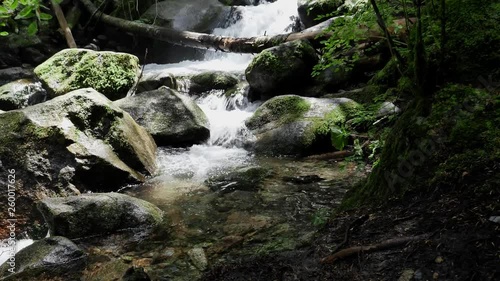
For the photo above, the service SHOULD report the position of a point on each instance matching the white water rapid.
(228, 134)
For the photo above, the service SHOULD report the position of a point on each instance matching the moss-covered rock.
(294, 125)
(170, 117)
(76, 142)
(110, 73)
(20, 94)
(284, 67)
(52, 257)
(98, 213)
(212, 80)
(152, 80)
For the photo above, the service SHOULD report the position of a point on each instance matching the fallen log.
(219, 43)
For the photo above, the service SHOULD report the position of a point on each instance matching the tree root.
(387, 244)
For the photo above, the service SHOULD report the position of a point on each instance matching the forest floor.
(451, 236)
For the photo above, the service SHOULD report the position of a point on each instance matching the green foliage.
(320, 217)
(345, 32)
(25, 12)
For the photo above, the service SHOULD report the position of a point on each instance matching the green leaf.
(44, 16)
(24, 13)
(33, 28)
(3, 10)
(24, 2)
(338, 137)
(14, 5)
(4, 33)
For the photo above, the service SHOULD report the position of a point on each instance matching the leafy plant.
(31, 12)
(320, 217)
(339, 137)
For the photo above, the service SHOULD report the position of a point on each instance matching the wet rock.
(310, 10)
(387, 108)
(20, 94)
(15, 73)
(280, 68)
(97, 213)
(170, 117)
(294, 125)
(77, 140)
(51, 257)
(153, 80)
(214, 80)
(110, 73)
(242, 223)
(198, 258)
(249, 178)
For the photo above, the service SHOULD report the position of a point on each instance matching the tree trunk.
(210, 41)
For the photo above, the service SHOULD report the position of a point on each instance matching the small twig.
(387, 244)
(136, 85)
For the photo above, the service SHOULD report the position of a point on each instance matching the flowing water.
(243, 216)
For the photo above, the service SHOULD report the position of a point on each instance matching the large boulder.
(52, 257)
(97, 213)
(170, 117)
(76, 142)
(284, 67)
(20, 94)
(112, 74)
(294, 125)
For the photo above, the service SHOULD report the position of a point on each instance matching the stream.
(212, 216)
(206, 226)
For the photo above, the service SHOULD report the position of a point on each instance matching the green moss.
(335, 118)
(281, 109)
(269, 60)
(111, 74)
(212, 81)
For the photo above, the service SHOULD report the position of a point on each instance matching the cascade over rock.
(170, 117)
(52, 257)
(294, 125)
(285, 67)
(97, 213)
(78, 141)
(110, 73)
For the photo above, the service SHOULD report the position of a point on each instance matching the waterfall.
(228, 133)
